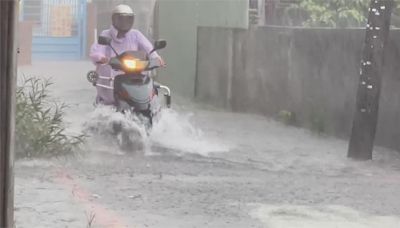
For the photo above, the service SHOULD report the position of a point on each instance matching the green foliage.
(40, 129)
(334, 13)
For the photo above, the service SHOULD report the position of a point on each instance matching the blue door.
(59, 31)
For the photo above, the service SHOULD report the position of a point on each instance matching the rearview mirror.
(160, 44)
(103, 40)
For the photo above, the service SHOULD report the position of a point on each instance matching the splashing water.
(173, 131)
(104, 122)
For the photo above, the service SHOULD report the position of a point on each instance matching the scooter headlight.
(130, 64)
(134, 65)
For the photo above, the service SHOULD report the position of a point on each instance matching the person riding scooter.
(124, 38)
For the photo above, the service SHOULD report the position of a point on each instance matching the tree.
(334, 13)
(372, 63)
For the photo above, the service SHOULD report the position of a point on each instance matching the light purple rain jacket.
(134, 40)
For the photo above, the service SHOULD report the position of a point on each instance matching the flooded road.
(202, 167)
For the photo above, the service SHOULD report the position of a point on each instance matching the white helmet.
(123, 9)
(123, 18)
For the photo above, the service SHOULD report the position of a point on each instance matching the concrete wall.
(311, 72)
(214, 66)
(91, 29)
(177, 23)
(25, 42)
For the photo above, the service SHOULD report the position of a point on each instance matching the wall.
(177, 22)
(91, 29)
(311, 72)
(25, 43)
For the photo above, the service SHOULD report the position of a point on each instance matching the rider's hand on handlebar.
(103, 60)
(162, 62)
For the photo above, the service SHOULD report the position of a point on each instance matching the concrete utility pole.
(8, 50)
(366, 114)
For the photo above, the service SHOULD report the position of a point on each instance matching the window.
(32, 10)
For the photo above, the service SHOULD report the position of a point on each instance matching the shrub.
(40, 130)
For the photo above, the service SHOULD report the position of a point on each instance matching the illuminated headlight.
(130, 64)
